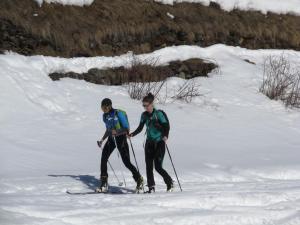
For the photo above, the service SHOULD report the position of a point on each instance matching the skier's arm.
(165, 130)
(139, 128)
(107, 131)
(106, 134)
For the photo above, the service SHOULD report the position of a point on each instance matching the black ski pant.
(123, 148)
(154, 154)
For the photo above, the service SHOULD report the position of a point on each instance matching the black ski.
(92, 192)
(111, 191)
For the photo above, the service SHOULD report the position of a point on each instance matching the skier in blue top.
(117, 129)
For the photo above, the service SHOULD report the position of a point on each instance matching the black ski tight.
(154, 154)
(123, 148)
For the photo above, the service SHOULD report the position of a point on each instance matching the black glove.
(100, 143)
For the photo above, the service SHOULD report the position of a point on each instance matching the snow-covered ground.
(276, 6)
(236, 152)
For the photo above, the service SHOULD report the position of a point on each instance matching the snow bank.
(67, 2)
(276, 6)
(236, 152)
(231, 105)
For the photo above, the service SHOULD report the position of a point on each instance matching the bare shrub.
(145, 76)
(138, 90)
(187, 91)
(281, 81)
(293, 97)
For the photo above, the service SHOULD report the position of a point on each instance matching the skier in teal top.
(157, 134)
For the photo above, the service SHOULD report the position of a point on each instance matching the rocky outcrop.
(191, 68)
(117, 76)
(17, 39)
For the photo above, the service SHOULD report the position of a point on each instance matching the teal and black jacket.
(117, 120)
(156, 123)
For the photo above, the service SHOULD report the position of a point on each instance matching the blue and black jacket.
(115, 119)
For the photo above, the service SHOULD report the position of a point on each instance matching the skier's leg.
(149, 149)
(125, 155)
(158, 162)
(107, 150)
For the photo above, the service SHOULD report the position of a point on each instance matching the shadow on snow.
(92, 182)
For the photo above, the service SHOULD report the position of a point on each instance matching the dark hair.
(106, 102)
(149, 98)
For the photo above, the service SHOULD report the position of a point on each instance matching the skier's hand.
(113, 132)
(130, 135)
(100, 143)
(165, 139)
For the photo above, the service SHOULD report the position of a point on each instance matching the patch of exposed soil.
(113, 27)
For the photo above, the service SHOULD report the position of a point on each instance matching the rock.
(56, 76)
(248, 61)
(182, 75)
(183, 68)
(95, 71)
(17, 39)
(141, 73)
(192, 68)
(182, 36)
(215, 5)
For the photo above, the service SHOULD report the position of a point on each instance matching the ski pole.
(134, 156)
(120, 183)
(135, 159)
(120, 161)
(173, 167)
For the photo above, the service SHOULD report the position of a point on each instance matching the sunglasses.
(104, 107)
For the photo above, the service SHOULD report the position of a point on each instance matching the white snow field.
(236, 152)
(275, 6)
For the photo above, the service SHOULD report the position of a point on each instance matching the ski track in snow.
(44, 201)
(237, 152)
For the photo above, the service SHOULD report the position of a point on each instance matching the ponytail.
(149, 98)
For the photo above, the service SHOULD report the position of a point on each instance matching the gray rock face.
(142, 73)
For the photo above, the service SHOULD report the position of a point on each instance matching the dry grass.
(113, 27)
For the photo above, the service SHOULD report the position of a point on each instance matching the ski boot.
(170, 187)
(151, 190)
(103, 186)
(139, 184)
